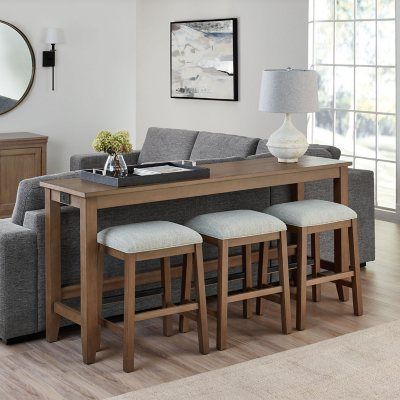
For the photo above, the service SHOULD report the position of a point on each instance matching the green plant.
(112, 144)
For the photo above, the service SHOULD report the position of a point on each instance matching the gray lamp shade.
(289, 91)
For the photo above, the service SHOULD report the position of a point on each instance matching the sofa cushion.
(162, 144)
(30, 195)
(316, 150)
(220, 145)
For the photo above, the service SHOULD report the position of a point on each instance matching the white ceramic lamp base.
(287, 144)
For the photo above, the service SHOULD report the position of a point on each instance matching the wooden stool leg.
(262, 274)
(316, 255)
(222, 307)
(355, 263)
(186, 289)
(284, 282)
(341, 240)
(100, 268)
(301, 279)
(202, 323)
(167, 294)
(248, 280)
(129, 312)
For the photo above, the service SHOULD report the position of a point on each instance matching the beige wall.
(272, 34)
(95, 73)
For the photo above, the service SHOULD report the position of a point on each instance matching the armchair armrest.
(95, 160)
(18, 280)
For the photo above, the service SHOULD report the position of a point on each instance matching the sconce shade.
(289, 91)
(53, 36)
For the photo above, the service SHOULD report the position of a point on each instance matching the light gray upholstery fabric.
(162, 144)
(147, 236)
(311, 212)
(30, 195)
(218, 160)
(96, 160)
(18, 280)
(316, 150)
(221, 145)
(235, 224)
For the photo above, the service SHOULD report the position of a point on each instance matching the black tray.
(193, 172)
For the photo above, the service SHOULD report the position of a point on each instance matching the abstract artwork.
(204, 59)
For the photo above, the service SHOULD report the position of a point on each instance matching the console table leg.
(89, 292)
(53, 265)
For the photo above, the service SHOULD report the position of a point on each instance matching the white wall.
(95, 73)
(272, 34)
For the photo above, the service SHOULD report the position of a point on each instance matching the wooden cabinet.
(22, 155)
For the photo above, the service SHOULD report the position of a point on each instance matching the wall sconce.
(52, 37)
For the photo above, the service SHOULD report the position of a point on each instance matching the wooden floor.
(40, 370)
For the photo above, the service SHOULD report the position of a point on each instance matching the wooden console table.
(90, 197)
(22, 156)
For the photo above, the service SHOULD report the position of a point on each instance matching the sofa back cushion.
(316, 150)
(30, 195)
(220, 145)
(97, 160)
(163, 144)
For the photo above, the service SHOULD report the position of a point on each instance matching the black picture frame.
(235, 60)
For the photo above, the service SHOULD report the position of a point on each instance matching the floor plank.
(41, 370)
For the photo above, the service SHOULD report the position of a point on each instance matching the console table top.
(220, 172)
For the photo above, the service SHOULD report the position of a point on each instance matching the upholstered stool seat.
(235, 224)
(147, 236)
(146, 241)
(311, 212)
(313, 217)
(243, 228)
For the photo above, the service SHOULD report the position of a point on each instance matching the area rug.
(360, 365)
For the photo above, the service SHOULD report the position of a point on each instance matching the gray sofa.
(22, 291)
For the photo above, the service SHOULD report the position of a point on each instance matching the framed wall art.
(204, 60)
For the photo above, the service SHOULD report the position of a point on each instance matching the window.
(352, 47)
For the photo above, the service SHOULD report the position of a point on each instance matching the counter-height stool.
(145, 241)
(243, 228)
(311, 217)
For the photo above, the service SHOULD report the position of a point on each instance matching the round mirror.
(17, 66)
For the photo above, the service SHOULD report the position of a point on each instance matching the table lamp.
(288, 91)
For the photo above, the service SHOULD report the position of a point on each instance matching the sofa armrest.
(362, 201)
(18, 280)
(95, 160)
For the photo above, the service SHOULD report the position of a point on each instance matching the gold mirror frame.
(33, 65)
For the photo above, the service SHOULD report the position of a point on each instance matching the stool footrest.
(346, 283)
(67, 312)
(324, 278)
(163, 312)
(159, 312)
(253, 293)
(112, 326)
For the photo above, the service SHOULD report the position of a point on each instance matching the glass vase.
(115, 166)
